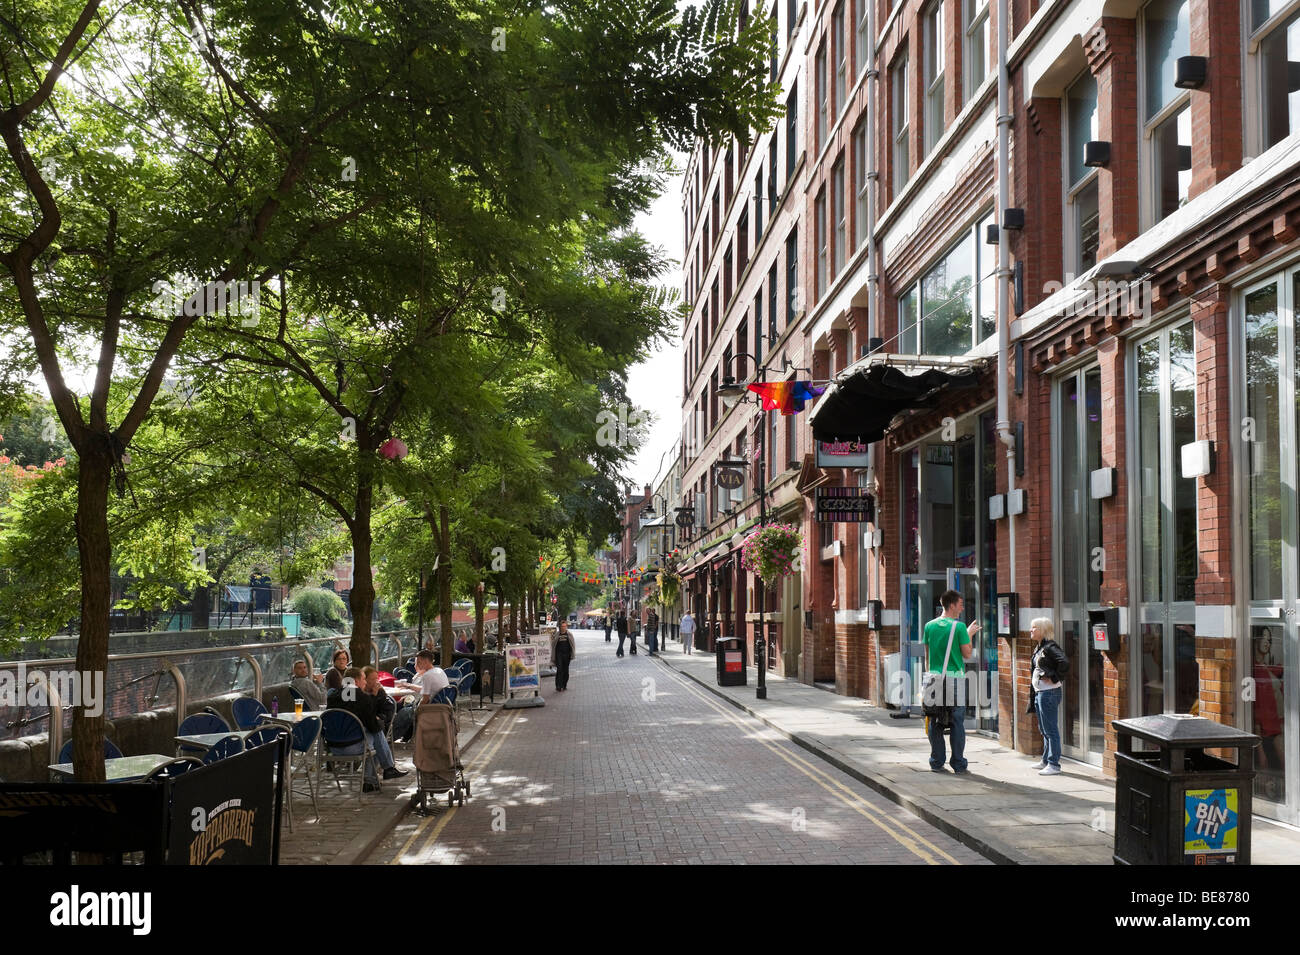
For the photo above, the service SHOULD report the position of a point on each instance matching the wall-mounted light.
(997, 507)
(1013, 218)
(991, 234)
(1198, 459)
(1017, 501)
(1189, 72)
(1096, 152)
(1101, 483)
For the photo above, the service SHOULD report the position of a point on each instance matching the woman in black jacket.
(1049, 664)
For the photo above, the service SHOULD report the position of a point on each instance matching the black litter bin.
(730, 653)
(1177, 804)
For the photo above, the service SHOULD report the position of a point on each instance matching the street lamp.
(731, 392)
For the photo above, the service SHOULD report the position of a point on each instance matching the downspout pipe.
(873, 278)
(1003, 313)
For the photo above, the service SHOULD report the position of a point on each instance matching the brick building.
(1147, 459)
(743, 205)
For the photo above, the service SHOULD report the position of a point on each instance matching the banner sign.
(845, 505)
(224, 814)
(841, 454)
(541, 643)
(521, 669)
(62, 818)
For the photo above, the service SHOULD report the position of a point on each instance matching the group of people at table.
(359, 691)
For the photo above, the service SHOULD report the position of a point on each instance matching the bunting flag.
(787, 397)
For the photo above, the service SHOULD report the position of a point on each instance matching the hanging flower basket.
(771, 552)
(669, 587)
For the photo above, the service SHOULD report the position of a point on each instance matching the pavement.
(348, 828)
(1002, 809)
(636, 764)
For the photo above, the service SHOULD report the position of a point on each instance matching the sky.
(656, 384)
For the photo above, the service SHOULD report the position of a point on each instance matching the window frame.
(1148, 167)
(840, 51)
(1253, 40)
(821, 243)
(822, 90)
(1073, 191)
(838, 219)
(900, 172)
(933, 66)
(914, 289)
(975, 17)
(860, 188)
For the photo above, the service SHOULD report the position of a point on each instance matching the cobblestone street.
(634, 764)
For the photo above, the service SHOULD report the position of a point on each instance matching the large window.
(933, 66)
(793, 300)
(1081, 181)
(823, 94)
(860, 185)
(758, 208)
(1166, 112)
(1276, 38)
(949, 312)
(861, 42)
(839, 222)
(975, 49)
(771, 304)
(791, 131)
(819, 237)
(839, 37)
(898, 91)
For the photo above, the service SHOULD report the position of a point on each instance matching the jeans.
(652, 640)
(607, 634)
(1047, 703)
(937, 751)
(621, 638)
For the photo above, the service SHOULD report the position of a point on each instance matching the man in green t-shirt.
(936, 636)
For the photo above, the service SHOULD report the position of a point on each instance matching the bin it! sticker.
(731, 661)
(1209, 820)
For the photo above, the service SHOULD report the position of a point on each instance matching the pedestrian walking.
(609, 625)
(944, 635)
(652, 632)
(563, 650)
(687, 630)
(1049, 664)
(622, 631)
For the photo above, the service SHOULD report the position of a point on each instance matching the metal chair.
(463, 688)
(402, 673)
(110, 751)
(230, 746)
(247, 712)
(343, 730)
(303, 746)
(264, 735)
(199, 724)
(173, 768)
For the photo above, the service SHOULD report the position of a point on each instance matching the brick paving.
(636, 764)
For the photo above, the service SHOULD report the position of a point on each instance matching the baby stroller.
(438, 768)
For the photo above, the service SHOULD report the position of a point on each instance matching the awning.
(868, 394)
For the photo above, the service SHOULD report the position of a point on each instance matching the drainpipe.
(1003, 318)
(873, 179)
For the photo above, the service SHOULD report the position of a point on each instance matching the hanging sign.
(730, 478)
(845, 505)
(685, 517)
(841, 454)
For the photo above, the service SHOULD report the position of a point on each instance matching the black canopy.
(860, 407)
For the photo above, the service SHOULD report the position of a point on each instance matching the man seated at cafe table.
(429, 681)
(308, 686)
(385, 708)
(353, 698)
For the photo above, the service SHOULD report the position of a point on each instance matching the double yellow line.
(915, 843)
(480, 760)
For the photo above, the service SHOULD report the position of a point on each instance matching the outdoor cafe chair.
(294, 694)
(110, 751)
(263, 735)
(401, 673)
(247, 712)
(230, 746)
(343, 730)
(463, 690)
(176, 767)
(304, 757)
(200, 724)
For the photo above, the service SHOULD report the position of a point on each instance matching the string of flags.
(787, 397)
(632, 576)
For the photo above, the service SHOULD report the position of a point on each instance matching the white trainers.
(1050, 771)
(1042, 764)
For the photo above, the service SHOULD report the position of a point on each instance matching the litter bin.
(731, 661)
(1176, 804)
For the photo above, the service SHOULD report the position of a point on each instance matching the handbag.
(942, 714)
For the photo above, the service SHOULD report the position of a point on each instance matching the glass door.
(1166, 675)
(1269, 448)
(1081, 560)
(921, 593)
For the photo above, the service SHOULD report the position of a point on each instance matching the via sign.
(730, 478)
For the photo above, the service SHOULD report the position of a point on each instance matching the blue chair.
(110, 751)
(401, 673)
(446, 695)
(463, 689)
(176, 767)
(341, 730)
(304, 757)
(264, 735)
(230, 746)
(200, 724)
(295, 695)
(457, 669)
(247, 712)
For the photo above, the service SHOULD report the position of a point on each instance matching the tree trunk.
(444, 584)
(480, 598)
(362, 598)
(514, 617)
(501, 630)
(93, 549)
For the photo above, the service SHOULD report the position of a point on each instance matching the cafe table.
(121, 769)
(205, 741)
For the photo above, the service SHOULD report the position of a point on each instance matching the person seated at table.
(385, 708)
(334, 678)
(351, 696)
(464, 644)
(308, 686)
(430, 680)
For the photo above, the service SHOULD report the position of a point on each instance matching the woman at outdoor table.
(334, 678)
(464, 645)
